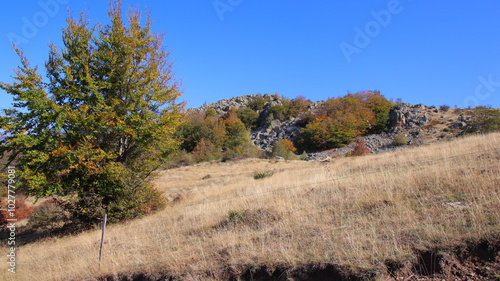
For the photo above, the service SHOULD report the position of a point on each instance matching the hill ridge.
(418, 123)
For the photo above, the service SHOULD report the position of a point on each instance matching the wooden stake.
(102, 237)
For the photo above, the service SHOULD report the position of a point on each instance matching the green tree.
(285, 148)
(102, 123)
(236, 132)
(381, 107)
(249, 117)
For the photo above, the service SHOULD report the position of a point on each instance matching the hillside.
(425, 212)
(419, 124)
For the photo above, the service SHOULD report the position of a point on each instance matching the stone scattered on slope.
(419, 123)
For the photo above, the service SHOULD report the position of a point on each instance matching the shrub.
(21, 211)
(48, 215)
(210, 112)
(303, 156)
(400, 139)
(444, 108)
(285, 148)
(279, 112)
(251, 218)
(299, 105)
(235, 216)
(249, 117)
(258, 103)
(205, 150)
(262, 175)
(132, 203)
(483, 120)
(360, 149)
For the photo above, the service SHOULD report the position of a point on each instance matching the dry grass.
(357, 211)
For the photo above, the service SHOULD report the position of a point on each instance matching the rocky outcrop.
(413, 121)
(223, 106)
(410, 116)
(265, 138)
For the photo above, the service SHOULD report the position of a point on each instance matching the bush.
(360, 149)
(262, 175)
(210, 113)
(285, 148)
(135, 202)
(21, 212)
(400, 139)
(205, 150)
(258, 102)
(299, 105)
(444, 108)
(279, 112)
(249, 117)
(48, 215)
(303, 156)
(483, 120)
(251, 218)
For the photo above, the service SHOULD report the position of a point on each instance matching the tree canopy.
(102, 121)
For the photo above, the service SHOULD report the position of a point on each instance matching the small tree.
(101, 124)
(285, 148)
(249, 117)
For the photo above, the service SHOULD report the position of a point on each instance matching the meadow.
(357, 212)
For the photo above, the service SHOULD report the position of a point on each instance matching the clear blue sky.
(431, 52)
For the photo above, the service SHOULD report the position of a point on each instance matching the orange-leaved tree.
(104, 120)
(341, 120)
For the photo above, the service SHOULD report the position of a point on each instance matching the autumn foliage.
(103, 121)
(341, 120)
(208, 137)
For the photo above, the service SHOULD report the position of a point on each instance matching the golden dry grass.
(357, 211)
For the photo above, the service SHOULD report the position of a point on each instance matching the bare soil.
(477, 261)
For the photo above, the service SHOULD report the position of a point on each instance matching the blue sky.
(421, 51)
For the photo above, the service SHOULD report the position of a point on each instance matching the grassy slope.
(352, 211)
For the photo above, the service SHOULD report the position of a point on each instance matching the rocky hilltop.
(419, 124)
(223, 106)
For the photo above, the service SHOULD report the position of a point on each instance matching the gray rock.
(275, 124)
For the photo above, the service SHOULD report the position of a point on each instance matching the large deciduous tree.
(103, 120)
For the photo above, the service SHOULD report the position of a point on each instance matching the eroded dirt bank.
(478, 261)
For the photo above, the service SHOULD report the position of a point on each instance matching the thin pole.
(102, 237)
